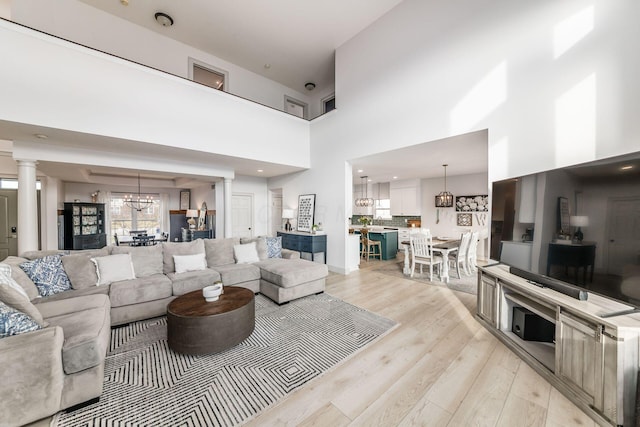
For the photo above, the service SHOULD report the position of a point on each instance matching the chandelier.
(364, 202)
(445, 198)
(138, 202)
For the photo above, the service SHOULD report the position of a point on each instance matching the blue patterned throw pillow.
(47, 274)
(14, 322)
(274, 247)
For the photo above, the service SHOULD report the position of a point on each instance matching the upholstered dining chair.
(369, 248)
(422, 253)
(472, 253)
(459, 257)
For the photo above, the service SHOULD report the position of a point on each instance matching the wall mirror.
(202, 217)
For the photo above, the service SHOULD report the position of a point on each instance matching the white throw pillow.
(5, 277)
(186, 263)
(113, 268)
(246, 254)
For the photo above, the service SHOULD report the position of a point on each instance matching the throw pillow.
(261, 246)
(246, 254)
(47, 274)
(274, 247)
(13, 298)
(113, 268)
(186, 263)
(14, 322)
(21, 277)
(169, 249)
(5, 277)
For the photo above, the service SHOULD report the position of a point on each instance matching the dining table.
(443, 245)
(130, 240)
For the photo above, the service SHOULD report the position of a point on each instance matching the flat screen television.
(579, 225)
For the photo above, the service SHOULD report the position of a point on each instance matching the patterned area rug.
(148, 384)
(468, 284)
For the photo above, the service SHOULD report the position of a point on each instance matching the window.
(123, 218)
(12, 184)
(329, 103)
(383, 209)
(208, 75)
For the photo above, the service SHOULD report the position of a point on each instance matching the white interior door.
(242, 215)
(276, 212)
(8, 222)
(624, 234)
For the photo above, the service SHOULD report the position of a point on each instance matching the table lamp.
(191, 214)
(287, 214)
(578, 221)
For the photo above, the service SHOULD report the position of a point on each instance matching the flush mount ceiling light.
(364, 202)
(444, 199)
(164, 19)
(310, 85)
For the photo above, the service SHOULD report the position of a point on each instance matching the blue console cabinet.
(305, 242)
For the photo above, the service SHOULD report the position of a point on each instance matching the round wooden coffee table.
(195, 326)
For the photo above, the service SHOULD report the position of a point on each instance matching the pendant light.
(444, 199)
(138, 202)
(364, 202)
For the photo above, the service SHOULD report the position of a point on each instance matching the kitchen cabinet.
(388, 242)
(593, 359)
(84, 226)
(406, 198)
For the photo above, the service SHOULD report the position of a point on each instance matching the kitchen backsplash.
(396, 221)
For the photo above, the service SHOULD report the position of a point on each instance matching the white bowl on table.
(212, 293)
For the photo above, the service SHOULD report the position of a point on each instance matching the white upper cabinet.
(406, 198)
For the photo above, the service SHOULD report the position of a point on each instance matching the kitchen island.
(388, 239)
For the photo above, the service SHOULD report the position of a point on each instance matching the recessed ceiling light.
(626, 168)
(164, 19)
(40, 136)
(369, 180)
(360, 170)
(260, 170)
(267, 66)
(124, 2)
(395, 177)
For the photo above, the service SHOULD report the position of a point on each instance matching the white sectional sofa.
(61, 364)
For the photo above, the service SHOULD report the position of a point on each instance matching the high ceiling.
(296, 38)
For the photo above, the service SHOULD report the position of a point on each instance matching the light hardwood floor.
(438, 367)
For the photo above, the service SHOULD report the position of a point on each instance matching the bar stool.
(368, 246)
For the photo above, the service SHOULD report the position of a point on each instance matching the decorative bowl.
(212, 293)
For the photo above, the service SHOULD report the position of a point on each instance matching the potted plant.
(364, 220)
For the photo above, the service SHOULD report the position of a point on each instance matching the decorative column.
(27, 206)
(228, 225)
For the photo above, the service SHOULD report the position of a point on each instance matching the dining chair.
(143, 240)
(472, 252)
(422, 253)
(459, 257)
(368, 246)
(115, 239)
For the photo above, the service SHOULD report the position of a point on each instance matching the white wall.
(461, 185)
(81, 23)
(443, 68)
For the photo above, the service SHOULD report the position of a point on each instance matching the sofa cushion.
(20, 301)
(86, 333)
(21, 277)
(52, 308)
(220, 251)
(291, 272)
(47, 274)
(80, 269)
(31, 255)
(114, 268)
(274, 247)
(147, 260)
(169, 249)
(15, 322)
(144, 289)
(192, 280)
(234, 274)
(261, 246)
(73, 293)
(186, 263)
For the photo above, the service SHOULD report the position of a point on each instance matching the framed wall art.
(465, 220)
(185, 199)
(478, 203)
(306, 211)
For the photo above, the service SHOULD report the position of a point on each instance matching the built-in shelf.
(543, 352)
